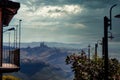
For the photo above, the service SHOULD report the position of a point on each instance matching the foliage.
(9, 77)
(92, 69)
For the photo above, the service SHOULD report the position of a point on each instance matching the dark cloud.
(91, 16)
(93, 4)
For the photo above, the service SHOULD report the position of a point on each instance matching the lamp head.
(11, 29)
(117, 16)
(111, 37)
(114, 5)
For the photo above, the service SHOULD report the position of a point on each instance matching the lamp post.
(106, 47)
(96, 46)
(20, 31)
(89, 52)
(107, 23)
(103, 48)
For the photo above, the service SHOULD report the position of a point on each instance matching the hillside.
(44, 63)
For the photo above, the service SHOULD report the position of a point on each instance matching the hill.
(45, 63)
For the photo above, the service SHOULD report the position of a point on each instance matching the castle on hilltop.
(42, 45)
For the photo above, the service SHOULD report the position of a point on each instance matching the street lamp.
(96, 46)
(89, 52)
(107, 23)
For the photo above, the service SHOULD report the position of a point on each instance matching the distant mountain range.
(45, 63)
(50, 44)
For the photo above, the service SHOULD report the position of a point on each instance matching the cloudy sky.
(68, 21)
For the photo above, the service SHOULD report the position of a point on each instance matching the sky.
(67, 21)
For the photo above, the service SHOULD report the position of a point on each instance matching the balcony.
(9, 58)
(11, 61)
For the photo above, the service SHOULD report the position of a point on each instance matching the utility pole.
(106, 24)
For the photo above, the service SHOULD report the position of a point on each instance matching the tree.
(92, 69)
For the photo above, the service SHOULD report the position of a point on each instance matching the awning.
(9, 9)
